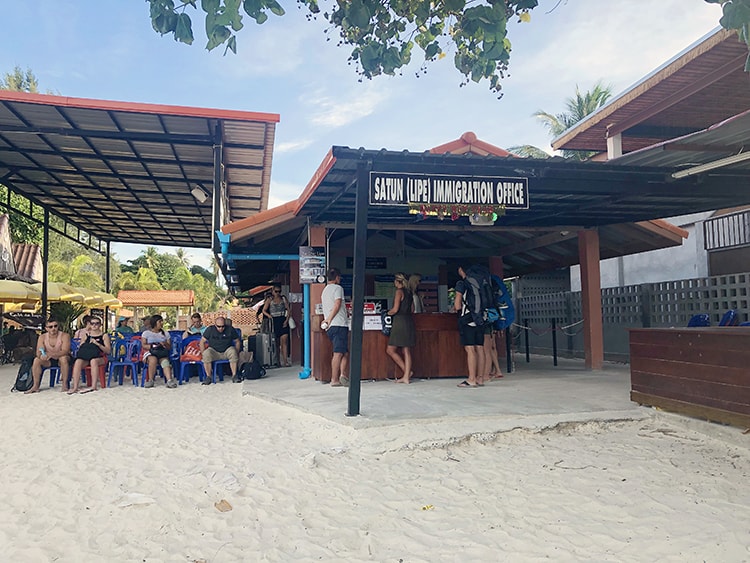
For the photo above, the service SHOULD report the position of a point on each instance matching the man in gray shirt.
(219, 342)
(334, 323)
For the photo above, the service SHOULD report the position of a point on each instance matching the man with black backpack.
(470, 326)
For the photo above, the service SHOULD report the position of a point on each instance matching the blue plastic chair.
(217, 368)
(699, 320)
(174, 354)
(131, 359)
(729, 318)
(186, 365)
(54, 375)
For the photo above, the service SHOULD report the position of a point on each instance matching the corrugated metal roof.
(704, 84)
(124, 171)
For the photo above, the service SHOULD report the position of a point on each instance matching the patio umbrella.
(20, 307)
(12, 291)
(109, 300)
(58, 291)
(90, 297)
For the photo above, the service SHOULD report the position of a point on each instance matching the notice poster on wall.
(312, 264)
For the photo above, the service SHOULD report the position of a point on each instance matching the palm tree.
(20, 81)
(183, 257)
(576, 109)
(151, 255)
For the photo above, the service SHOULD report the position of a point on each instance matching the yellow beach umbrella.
(12, 291)
(109, 300)
(30, 307)
(90, 297)
(58, 291)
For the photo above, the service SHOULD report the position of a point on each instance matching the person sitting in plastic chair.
(52, 351)
(219, 342)
(93, 352)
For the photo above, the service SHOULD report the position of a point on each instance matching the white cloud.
(292, 146)
(333, 112)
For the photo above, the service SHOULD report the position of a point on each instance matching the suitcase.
(264, 348)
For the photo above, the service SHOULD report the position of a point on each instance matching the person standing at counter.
(334, 323)
(413, 286)
(403, 334)
(472, 336)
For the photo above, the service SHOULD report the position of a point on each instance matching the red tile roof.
(167, 298)
(28, 260)
(468, 143)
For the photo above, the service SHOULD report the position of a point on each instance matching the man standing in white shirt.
(334, 323)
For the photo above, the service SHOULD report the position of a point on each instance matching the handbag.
(88, 351)
(387, 323)
(291, 324)
(158, 351)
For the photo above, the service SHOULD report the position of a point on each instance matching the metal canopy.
(562, 194)
(721, 140)
(703, 85)
(125, 171)
(622, 202)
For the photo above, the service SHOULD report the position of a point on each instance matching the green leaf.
(184, 29)
(432, 50)
(454, 6)
(358, 14)
(231, 45)
(275, 7)
(217, 36)
(210, 6)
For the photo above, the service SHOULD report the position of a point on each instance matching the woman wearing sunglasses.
(277, 309)
(93, 351)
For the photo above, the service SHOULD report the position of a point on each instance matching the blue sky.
(106, 49)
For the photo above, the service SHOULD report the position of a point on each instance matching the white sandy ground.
(131, 474)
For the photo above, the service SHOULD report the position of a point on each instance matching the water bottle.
(43, 352)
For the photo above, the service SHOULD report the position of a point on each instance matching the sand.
(131, 474)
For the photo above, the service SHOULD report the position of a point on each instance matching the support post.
(554, 342)
(45, 264)
(316, 237)
(591, 298)
(217, 200)
(107, 285)
(358, 287)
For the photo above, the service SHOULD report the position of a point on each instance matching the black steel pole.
(45, 264)
(554, 342)
(526, 335)
(358, 286)
(508, 351)
(107, 285)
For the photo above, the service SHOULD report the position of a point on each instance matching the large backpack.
(251, 370)
(504, 304)
(24, 379)
(479, 298)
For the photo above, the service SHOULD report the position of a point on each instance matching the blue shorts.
(471, 335)
(339, 337)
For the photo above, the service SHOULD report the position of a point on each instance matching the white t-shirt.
(331, 293)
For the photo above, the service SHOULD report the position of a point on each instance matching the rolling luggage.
(264, 349)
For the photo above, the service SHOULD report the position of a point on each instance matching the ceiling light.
(199, 194)
(712, 165)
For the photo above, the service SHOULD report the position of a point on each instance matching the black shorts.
(471, 335)
(339, 336)
(54, 363)
(279, 329)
